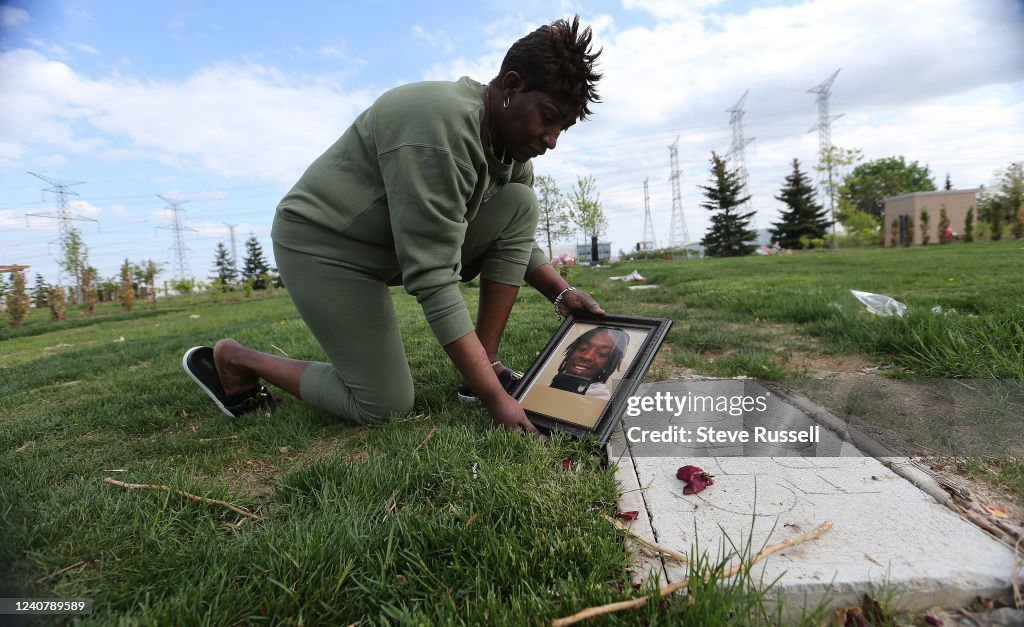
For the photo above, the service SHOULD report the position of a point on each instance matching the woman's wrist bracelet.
(558, 299)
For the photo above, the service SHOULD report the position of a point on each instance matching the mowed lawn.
(435, 517)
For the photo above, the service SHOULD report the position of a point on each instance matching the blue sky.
(224, 104)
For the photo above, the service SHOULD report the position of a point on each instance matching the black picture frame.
(550, 395)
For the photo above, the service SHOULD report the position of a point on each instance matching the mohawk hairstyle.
(557, 60)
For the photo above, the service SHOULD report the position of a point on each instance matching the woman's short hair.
(556, 59)
(621, 339)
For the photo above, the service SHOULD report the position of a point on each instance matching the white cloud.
(231, 120)
(12, 17)
(84, 208)
(335, 51)
(437, 39)
(86, 48)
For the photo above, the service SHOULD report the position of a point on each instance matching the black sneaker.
(198, 363)
(508, 378)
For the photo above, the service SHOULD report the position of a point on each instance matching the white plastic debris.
(880, 304)
(632, 276)
(643, 287)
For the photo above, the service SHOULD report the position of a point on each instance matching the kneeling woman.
(429, 186)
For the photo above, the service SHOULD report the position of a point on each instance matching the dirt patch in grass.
(253, 477)
(346, 447)
(821, 365)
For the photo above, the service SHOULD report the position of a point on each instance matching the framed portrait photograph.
(581, 381)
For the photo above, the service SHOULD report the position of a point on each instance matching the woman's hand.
(578, 300)
(507, 412)
(548, 282)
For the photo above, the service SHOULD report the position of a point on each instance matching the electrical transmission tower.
(234, 251)
(678, 235)
(63, 215)
(737, 155)
(649, 242)
(824, 128)
(182, 270)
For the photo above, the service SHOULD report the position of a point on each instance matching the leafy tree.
(147, 271)
(870, 183)
(57, 300)
(17, 299)
(89, 295)
(833, 162)
(926, 236)
(4, 286)
(224, 267)
(74, 259)
(1003, 201)
(805, 219)
(553, 223)
(40, 292)
(943, 222)
(730, 232)
(255, 263)
(585, 212)
(969, 226)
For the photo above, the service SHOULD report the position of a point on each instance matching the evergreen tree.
(730, 232)
(805, 218)
(255, 263)
(17, 299)
(943, 224)
(224, 266)
(126, 289)
(969, 226)
(926, 235)
(949, 183)
(40, 292)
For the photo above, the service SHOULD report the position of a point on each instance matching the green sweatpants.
(352, 316)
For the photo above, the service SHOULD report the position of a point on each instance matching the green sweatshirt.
(394, 195)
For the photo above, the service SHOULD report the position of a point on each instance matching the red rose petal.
(696, 479)
(627, 516)
(697, 484)
(933, 620)
(566, 464)
(686, 472)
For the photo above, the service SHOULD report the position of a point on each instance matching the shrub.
(18, 300)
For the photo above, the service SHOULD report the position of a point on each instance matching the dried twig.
(657, 549)
(280, 350)
(1018, 594)
(163, 488)
(426, 439)
(679, 585)
(227, 437)
(62, 571)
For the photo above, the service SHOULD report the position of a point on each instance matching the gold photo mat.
(578, 409)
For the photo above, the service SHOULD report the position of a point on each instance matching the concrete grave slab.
(887, 533)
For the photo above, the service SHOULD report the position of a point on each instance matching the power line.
(63, 215)
(824, 128)
(179, 247)
(234, 250)
(678, 236)
(649, 242)
(737, 154)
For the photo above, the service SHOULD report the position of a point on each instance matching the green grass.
(363, 524)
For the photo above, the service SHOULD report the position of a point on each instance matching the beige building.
(957, 202)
